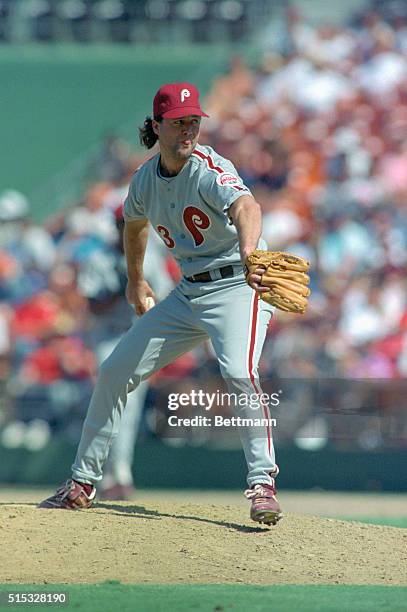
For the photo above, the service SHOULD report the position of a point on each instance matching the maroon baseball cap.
(176, 100)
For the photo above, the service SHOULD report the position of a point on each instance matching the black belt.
(205, 277)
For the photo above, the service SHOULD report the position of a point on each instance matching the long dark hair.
(147, 136)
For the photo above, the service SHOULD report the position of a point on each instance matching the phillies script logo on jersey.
(195, 220)
(226, 178)
(185, 93)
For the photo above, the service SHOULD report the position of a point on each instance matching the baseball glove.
(285, 275)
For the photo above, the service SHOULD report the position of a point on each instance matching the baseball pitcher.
(208, 219)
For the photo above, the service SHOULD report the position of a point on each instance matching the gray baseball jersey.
(183, 208)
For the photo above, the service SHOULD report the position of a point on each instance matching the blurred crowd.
(129, 21)
(318, 131)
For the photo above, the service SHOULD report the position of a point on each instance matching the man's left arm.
(245, 213)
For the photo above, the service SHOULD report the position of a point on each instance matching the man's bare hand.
(254, 280)
(137, 293)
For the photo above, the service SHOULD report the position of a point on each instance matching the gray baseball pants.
(226, 311)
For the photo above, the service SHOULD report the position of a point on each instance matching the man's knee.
(236, 376)
(232, 366)
(111, 372)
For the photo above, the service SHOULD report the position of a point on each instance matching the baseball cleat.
(265, 507)
(70, 496)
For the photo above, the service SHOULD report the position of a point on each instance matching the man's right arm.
(135, 242)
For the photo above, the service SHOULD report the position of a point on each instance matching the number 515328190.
(16, 597)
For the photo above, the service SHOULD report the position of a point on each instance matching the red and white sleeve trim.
(212, 166)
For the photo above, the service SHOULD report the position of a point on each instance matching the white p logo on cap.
(185, 93)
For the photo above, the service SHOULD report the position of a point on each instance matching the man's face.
(178, 137)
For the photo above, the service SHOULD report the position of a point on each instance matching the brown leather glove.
(285, 275)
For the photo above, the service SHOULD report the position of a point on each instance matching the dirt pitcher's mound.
(173, 542)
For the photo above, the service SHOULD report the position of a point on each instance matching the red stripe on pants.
(253, 332)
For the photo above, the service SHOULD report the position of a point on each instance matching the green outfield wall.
(158, 465)
(57, 103)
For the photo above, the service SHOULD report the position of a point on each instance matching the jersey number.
(194, 219)
(165, 235)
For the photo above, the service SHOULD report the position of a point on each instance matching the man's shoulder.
(145, 169)
(214, 167)
(212, 164)
(209, 159)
